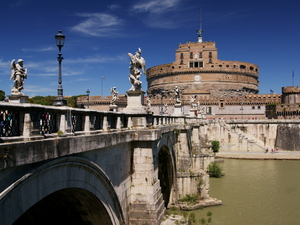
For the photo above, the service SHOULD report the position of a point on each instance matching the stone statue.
(137, 62)
(18, 74)
(114, 95)
(148, 104)
(192, 100)
(166, 109)
(177, 92)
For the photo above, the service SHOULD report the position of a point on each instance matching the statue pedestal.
(113, 108)
(177, 110)
(135, 101)
(17, 98)
(193, 112)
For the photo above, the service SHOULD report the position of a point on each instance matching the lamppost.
(59, 101)
(88, 97)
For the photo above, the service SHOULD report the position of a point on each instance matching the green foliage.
(48, 100)
(215, 170)
(60, 133)
(188, 218)
(72, 101)
(190, 199)
(215, 146)
(2, 95)
(192, 218)
(41, 100)
(176, 131)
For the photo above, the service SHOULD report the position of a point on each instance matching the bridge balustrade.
(31, 120)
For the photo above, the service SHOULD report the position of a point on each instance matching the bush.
(215, 146)
(215, 170)
(190, 199)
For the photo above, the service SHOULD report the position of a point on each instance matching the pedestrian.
(1, 123)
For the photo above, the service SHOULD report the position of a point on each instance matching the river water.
(256, 192)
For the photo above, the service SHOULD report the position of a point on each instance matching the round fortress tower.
(198, 71)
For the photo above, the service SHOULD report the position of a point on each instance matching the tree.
(215, 146)
(48, 100)
(2, 95)
(72, 101)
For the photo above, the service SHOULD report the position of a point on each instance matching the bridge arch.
(167, 169)
(70, 180)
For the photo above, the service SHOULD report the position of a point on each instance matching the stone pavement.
(281, 155)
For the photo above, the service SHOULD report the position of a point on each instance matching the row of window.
(192, 55)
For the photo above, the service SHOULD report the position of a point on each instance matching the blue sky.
(99, 34)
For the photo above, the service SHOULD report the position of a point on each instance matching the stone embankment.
(281, 155)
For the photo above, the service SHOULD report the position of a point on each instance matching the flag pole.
(102, 78)
(293, 77)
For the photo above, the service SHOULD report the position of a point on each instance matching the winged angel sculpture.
(137, 62)
(18, 74)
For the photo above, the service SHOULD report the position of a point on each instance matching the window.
(210, 54)
(181, 62)
(191, 55)
(253, 107)
(210, 60)
(258, 107)
(200, 54)
(242, 67)
(196, 64)
(181, 55)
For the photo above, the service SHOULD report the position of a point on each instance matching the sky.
(100, 34)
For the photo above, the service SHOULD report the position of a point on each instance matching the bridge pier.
(147, 205)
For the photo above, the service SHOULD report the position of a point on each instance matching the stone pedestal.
(17, 98)
(113, 108)
(192, 112)
(177, 110)
(135, 101)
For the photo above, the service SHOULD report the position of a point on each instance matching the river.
(256, 192)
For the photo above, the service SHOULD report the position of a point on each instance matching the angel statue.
(177, 92)
(137, 62)
(114, 95)
(18, 74)
(148, 100)
(192, 101)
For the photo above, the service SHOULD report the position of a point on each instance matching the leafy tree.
(48, 100)
(2, 95)
(72, 101)
(215, 146)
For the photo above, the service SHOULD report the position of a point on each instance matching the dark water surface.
(256, 192)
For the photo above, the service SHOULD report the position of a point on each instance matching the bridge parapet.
(20, 122)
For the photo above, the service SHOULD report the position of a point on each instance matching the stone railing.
(31, 121)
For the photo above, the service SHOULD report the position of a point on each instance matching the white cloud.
(114, 6)
(38, 49)
(97, 59)
(98, 24)
(156, 6)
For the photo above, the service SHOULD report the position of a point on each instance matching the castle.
(222, 89)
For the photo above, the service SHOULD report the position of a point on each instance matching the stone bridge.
(80, 166)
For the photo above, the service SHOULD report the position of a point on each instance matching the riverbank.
(285, 155)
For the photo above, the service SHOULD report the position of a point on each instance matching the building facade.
(211, 87)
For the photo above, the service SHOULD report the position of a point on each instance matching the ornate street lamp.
(60, 40)
(88, 97)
